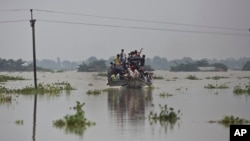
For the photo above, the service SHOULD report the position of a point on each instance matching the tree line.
(95, 64)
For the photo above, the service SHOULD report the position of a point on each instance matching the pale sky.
(78, 29)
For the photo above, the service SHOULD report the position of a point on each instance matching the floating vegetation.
(216, 86)
(166, 115)
(5, 99)
(75, 123)
(42, 88)
(19, 122)
(228, 120)
(239, 90)
(192, 77)
(91, 84)
(158, 77)
(164, 94)
(5, 78)
(216, 77)
(94, 92)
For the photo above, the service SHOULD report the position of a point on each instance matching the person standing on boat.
(122, 57)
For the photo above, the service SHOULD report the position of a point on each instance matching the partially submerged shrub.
(75, 123)
(166, 115)
(228, 120)
(239, 90)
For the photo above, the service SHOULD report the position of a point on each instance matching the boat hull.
(130, 83)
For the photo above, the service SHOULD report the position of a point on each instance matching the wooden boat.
(130, 83)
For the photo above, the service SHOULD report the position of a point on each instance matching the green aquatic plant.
(42, 88)
(75, 123)
(90, 84)
(239, 90)
(19, 122)
(167, 114)
(164, 94)
(94, 92)
(216, 86)
(5, 78)
(192, 77)
(216, 77)
(228, 120)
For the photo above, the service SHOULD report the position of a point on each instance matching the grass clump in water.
(228, 120)
(166, 114)
(5, 78)
(216, 86)
(164, 94)
(75, 123)
(192, 77)
(216, 77)
(94, 92)
(239, 90)
(19, 122)
(42, 88)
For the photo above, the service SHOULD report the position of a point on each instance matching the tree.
(246, 66)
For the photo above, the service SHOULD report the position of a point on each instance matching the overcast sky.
(78, 29)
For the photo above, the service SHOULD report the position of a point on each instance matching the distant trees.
(246, 66)
(97, 65)
(13, 65)
(157, 63)
(198, 65)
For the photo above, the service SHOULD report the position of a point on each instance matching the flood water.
(122, 114)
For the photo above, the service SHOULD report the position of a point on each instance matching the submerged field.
(199, 102)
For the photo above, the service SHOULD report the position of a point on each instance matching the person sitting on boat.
(133, 72)
(117, 60)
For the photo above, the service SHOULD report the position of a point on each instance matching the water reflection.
(34, 119)
(129, 104)
(133, 106)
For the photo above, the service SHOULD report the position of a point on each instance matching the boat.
(129, 72)
(131, 83)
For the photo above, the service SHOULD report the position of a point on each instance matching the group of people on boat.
(128, 67)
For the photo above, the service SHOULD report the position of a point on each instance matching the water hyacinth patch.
(192, 77)
(75, 123)
(94, 92)
(228, 120)
(239, 90)
(5, 78)
(42, 88)
(167, 114)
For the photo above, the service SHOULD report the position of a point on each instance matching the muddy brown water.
(122, 114)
